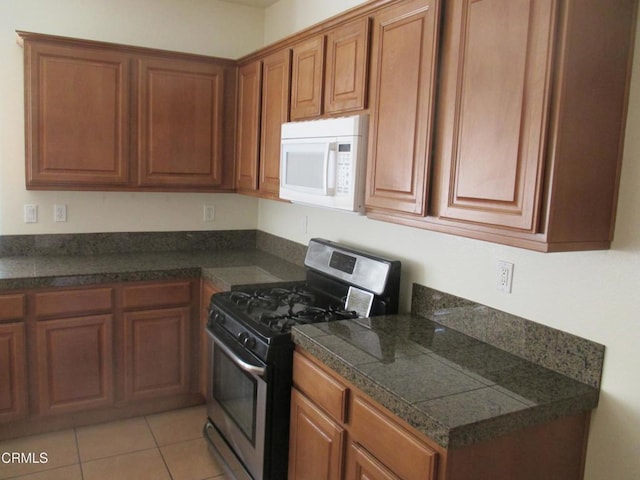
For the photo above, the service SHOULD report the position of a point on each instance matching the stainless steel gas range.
(251, 350)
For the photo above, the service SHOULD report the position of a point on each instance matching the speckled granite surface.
(224, 258)
(454, 388)
(124, 242)
(559, 351)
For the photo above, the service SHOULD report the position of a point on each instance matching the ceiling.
(253, 3)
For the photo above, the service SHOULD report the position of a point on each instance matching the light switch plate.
(30, 213)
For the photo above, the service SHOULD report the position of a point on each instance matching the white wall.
(595, 295)
(288, 16)
(208, 27)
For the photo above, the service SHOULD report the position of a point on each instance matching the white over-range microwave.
(323, 162)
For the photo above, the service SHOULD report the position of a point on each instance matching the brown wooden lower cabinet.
(317, 442)
(13, 380)
(379, 447)
(157, 352)
(75, 364)
(339, 432)
(81, 355)
(361, 465)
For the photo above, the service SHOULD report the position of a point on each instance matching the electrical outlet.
(30, 214)
(504, 276)
(208, 213)
(60, 213)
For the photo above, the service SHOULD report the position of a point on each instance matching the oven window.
(236, 391)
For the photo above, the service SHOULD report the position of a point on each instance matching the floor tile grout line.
(153, 435)
(121, 454)
(166, 466)
(75, 434)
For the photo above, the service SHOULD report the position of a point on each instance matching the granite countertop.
(223, 269)
(453, 388)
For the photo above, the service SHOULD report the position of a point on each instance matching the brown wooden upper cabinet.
(276, 75)
(404, 51)
(307, 79)
(263, 106)
(110, 117)
(77, 115)
(248, 129)
(346, 78)
(180, 111)
(529, 127)
(329, 72)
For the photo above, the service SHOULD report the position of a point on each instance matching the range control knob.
(219, 317)
(246, 340)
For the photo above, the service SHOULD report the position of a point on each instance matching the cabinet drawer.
(157, 294)
(324, 390)
(392, 445)
(11, 307)
(73, 302)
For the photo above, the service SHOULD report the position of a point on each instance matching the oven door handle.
(247, 367)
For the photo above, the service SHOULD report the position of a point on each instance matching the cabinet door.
(180, 123)
(361, 465)
(77, 116)
(495, 95)
(75, 364)
(316, 443)
(276, 78)
(307, 79)
(347, 61)
(157, 352)
(13, 380)
(403, 66)
(248, 128)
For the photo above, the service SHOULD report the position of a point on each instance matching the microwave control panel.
(344, 169)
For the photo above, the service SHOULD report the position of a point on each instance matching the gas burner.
(240, 298)
(315, 314)
(277, 323)
(303, 296)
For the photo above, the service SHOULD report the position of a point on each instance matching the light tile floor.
(156, 447)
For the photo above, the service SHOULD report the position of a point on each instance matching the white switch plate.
(60, 213)
(504, 277)
(30, 213)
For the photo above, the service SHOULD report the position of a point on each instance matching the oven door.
(238, 399)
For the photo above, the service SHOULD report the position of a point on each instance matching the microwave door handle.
(330, 166)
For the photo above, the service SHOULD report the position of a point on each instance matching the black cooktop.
(277, 309)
